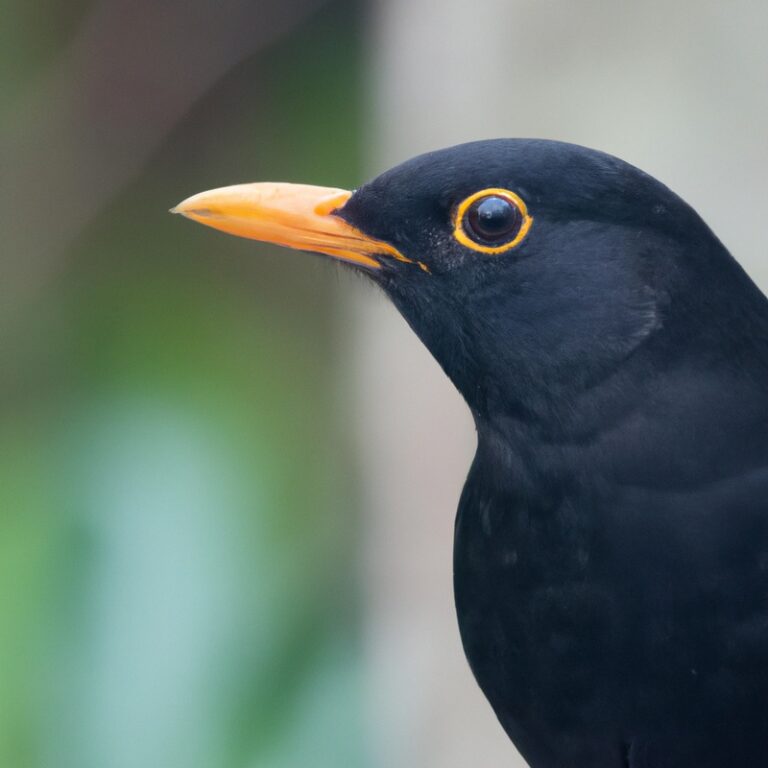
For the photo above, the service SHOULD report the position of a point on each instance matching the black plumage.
(611, 548)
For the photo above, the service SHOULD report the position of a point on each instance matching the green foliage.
(177, 528)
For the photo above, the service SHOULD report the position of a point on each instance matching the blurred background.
(228, 474)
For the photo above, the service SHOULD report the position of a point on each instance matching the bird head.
(531, 269)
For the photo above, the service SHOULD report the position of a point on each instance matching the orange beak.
(292, 215)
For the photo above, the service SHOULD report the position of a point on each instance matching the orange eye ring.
(460, 233)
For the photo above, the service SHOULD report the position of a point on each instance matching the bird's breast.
(589, 613)
(539, 618)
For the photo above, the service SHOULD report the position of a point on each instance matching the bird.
(611, 541)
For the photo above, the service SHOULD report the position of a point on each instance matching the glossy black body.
(611, 551)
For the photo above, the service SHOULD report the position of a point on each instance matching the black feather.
(611, 555)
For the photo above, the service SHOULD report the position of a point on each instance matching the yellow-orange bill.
(292, 215)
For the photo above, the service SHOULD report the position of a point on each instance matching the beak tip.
(186, 210)
(195, 208)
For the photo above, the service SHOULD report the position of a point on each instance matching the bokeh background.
(228, 474)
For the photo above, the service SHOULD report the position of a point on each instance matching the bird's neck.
(565, 358)
(544, 376)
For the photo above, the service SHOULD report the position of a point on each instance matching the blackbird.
(611, 544)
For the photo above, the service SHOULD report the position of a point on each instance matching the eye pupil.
(492, 219)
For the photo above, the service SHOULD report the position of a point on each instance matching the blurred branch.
(135, 68)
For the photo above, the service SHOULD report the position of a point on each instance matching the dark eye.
(492, 220)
